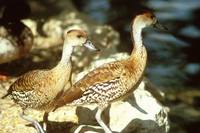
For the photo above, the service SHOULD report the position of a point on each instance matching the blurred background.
(173, 55)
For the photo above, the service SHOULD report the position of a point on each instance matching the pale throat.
(138, 47)
(67, 52)
(137, 32)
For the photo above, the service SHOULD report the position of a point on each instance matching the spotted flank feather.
(22, 98)
(100, 92)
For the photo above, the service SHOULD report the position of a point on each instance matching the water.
(174, 58)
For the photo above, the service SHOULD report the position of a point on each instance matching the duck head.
(79, 38)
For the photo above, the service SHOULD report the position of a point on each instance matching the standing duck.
(39, 89)
(115, 80)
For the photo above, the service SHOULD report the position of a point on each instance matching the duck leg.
(34, 122)
(100, 121)
(45, 121)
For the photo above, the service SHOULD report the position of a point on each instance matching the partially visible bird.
(115, 80)
(16, 40)
(39, 89)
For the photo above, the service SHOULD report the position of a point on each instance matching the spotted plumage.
(115, 80)
(107, 83)
(39, 88)
(99, 92)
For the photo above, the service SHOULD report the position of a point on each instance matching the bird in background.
(115, 80)
(16, 39)
(39, 89)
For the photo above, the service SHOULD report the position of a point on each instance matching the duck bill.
(88, 44)
(157, 25)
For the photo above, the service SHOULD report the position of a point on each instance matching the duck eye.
(79, 36)
(152, 17)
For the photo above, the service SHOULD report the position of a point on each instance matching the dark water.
(174, 57)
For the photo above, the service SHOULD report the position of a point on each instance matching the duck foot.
(100, 121)
(34, 122)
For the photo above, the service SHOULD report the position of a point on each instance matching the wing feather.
(102, 84)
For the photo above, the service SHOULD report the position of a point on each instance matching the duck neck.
(137, 38)
(66, 53)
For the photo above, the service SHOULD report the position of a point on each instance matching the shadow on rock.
(131, 100)
(87, 116)
(57, 127)
(137, 126)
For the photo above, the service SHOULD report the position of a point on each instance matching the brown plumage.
(106, 83)
(39, 89)
(115, 80)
